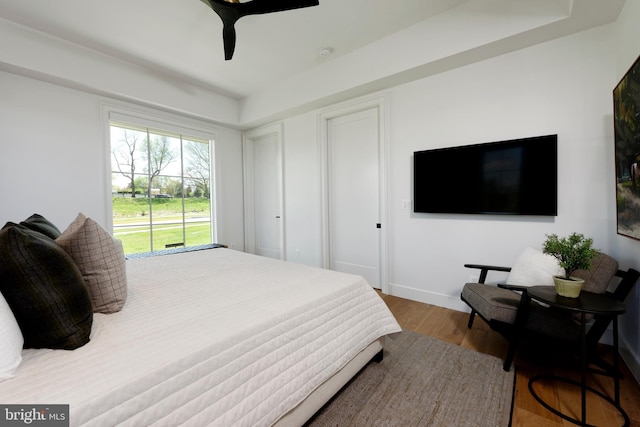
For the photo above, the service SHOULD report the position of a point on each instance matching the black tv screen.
(515, 177)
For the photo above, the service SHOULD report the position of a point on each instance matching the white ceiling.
(184, 37)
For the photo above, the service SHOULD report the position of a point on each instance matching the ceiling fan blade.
(231, 12)
(267, 6)
(255, 7)
(229, 15)
(229, 39)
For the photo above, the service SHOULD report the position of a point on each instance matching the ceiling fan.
(232, 10)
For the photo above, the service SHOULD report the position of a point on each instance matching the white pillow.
(534, 268)
(11, 341)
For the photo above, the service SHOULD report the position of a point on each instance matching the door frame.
(378, 102)
(248, 140)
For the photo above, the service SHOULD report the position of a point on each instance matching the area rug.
(424, 381)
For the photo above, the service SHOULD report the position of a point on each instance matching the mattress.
(214, 337)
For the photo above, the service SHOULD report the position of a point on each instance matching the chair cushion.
(498, 304)
(491, 302)
(534, 268)
(597, 278)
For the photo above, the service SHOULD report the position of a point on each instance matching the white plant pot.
(569, 288)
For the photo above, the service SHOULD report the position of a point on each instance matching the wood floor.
(451, 326)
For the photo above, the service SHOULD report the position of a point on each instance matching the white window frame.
(146, 117)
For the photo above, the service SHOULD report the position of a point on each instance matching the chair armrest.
(484, 269)
(518, 288)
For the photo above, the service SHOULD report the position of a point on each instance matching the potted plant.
(573, 252)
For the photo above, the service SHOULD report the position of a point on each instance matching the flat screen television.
(515, 177)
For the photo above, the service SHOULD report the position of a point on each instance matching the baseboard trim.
(632, 360)
(441, 300)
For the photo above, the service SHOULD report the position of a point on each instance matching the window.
(161, 188)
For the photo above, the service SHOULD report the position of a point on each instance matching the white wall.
(52, 152)
(302, 190)
(564, 87)
(561, 87)
(53, 157)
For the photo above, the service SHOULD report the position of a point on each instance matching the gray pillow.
(44, 289)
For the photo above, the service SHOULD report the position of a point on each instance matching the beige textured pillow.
(100, 259)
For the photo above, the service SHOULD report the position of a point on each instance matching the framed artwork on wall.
(626, 118)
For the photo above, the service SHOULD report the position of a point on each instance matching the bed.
(212, 337)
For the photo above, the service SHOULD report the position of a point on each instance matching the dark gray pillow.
(44, 289)
(37, 222)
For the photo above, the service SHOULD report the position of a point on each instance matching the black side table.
(586, 303)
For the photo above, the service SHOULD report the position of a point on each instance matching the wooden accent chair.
(499, 306)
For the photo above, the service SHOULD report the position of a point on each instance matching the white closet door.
(263, 193)
(354, 194)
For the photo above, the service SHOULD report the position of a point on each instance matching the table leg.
(616, 362)
(583, 391)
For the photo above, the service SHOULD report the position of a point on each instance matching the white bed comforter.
(214, 337)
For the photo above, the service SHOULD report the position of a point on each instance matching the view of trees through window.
(161, 189)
